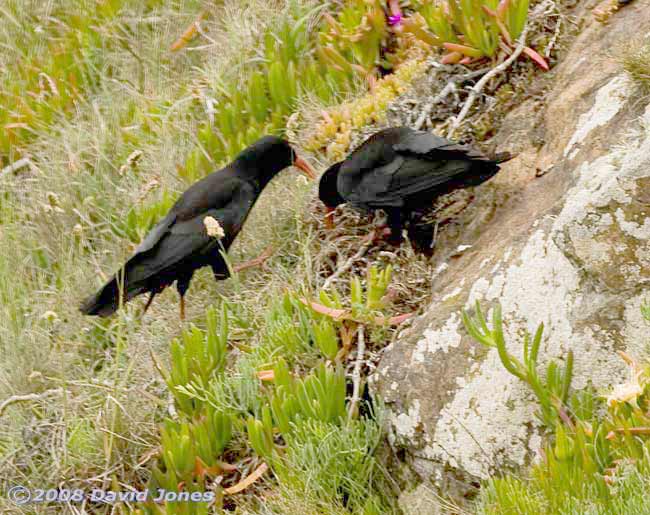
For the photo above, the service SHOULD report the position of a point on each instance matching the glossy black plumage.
(179, 244)
(401, 171)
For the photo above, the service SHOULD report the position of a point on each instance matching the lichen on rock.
(571, 250)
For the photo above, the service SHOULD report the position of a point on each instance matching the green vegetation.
(114, 123)
(469, 28)
(596, 458)
(314, 441)
(552, 392)
(51, 66)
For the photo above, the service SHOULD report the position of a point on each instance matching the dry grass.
(59, 226)
(636, 62)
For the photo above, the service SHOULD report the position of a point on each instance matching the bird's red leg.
(329, 217)
(377, 234)
(149, 301)
(182, 308)
(259, 260)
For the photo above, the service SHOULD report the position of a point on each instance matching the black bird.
(180, 244)
(402, 171)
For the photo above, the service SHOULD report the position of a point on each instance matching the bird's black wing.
(422, 162)
(179, 243)
(368, 187)
(155, 234)
(426, 144)
(185, 238)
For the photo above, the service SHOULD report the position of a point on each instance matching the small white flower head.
(213, 227)
(629, 392)
(50, 316)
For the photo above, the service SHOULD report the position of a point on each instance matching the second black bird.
(180, 244)
(402, 171)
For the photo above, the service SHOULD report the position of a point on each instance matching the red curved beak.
(304, 168)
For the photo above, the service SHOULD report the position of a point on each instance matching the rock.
(570, 248)
(420, 501)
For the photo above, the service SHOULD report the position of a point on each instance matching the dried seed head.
(213, 227)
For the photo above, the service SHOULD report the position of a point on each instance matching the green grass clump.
(597, 454)
(333, 468)
(56, 59)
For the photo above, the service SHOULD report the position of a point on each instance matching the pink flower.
(395, 16)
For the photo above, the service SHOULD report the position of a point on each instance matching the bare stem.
(356, 373)
(478, 87)
(350, 261)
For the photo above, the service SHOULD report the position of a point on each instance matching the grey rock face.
(570, 249)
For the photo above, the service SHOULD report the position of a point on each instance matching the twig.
(171, 407)
(28, 397)
(16, 166)
(424, 114)
(356, 373)
(451, 86)
(259, 260)
(190, 33)
(348, 264)
(448, 89)
(248, 480)
(478, 87)
(553, 41)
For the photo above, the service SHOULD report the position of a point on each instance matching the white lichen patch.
(584, 244)
(486, 418)
(593, 180)
(637, 329)
(454, 293)
(636, 230)
(643, 255)
(435, 340)
(609, 101)
(486, 424)
(406, 424)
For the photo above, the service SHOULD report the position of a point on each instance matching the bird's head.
(328, 192)
(270, 155)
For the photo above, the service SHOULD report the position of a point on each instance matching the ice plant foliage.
(354, 38)
(594, 442)
(551, 392)
(471, 29)
(284, 405)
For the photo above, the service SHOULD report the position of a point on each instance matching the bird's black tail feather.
(107, 300)
(103, 303)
